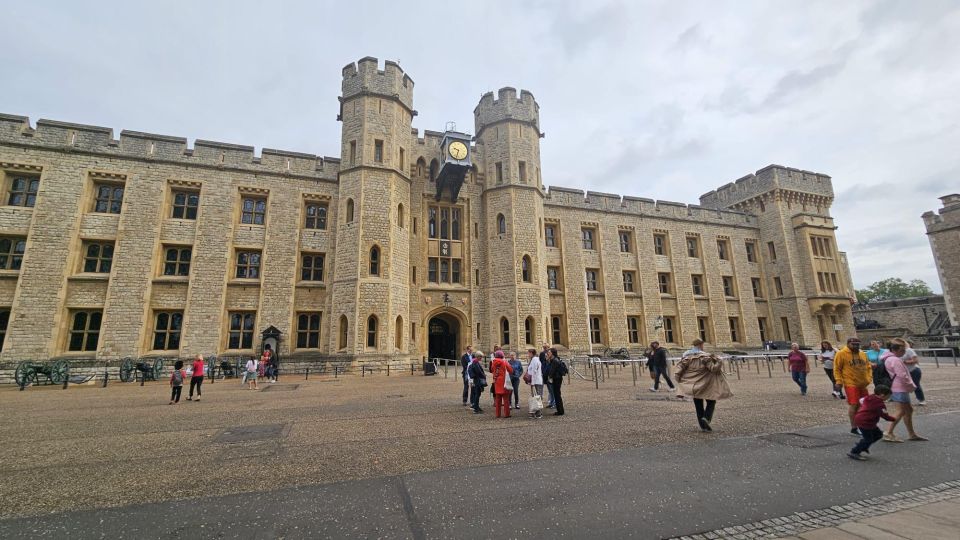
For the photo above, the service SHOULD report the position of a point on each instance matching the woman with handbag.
(534, 377)
(704, 373)
(502, 385)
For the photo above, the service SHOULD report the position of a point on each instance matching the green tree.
(892, 288)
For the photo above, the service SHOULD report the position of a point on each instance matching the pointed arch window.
(349, 213)
(342, 343)
(375, 261)
(372, 332)
(525, 270)
(505, 330)
(398, 333)
(501, 224)
(400, 215)
(528, 330)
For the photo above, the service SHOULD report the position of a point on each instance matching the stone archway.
(443, 336)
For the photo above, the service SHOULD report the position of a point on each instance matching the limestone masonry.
(943, 230)
(408, 244)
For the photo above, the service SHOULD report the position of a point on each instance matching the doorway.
(443, 332)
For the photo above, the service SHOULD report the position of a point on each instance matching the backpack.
(882, 376)
(177, 377)
(562, 368)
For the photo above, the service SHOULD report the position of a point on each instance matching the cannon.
(148, 371)
(621, 354)
(29, 372)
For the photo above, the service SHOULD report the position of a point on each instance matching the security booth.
(271, 339)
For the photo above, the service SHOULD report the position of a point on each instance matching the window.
(595, 334)
(821, 247)
(693, 247)
(176, 261)
(311, 267)
(723, 250)
(772, 250)
(402, 162)
(242, 324)
(778, 285)
(555, 328)
(4, 320)
(353, 152)
(669, 326)
(501, 224)
(378, 151)
(528, 331)
(628, 281)
(735, 329)
(553, 278)
(785, 327)
(12, 249)
(248, 265)
(522, 170)
(308, 330)
(822, 286)
(375, 261)
(728, 286)
(762, 326)
(185, 204)
(349, 212)
(432, 271)
(550, 235)
(504, 330)
(660, 244)
(499, 167)
(633, 330)
(625, 242)
(253, 210)
(85, 330)
(444, 231)
(663, 280)
(398, 333)
(592, 279)
(316, 216)
(342, 338)
(757, 286)
(166, 330)
(23, 191)
(696, 282)
(751, 251)
(97, 257)
(372, 332)
(703, 328)
(587, 238)
(833, 281)
(525, 270)
(400, 215)
(109, 198)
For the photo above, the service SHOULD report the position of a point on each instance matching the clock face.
(457, 150)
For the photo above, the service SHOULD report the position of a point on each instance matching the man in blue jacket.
(464, 364)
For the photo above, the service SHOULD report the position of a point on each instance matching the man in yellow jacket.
(853, 373)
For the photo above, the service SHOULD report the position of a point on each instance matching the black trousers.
(175, 393)
(475, 392)
(195, 382)
(466, 387)
(704, 412)
(557, 396)
(869, 436)
(665, 373)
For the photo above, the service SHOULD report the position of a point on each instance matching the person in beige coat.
(702, 372)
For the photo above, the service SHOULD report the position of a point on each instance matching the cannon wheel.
(126, 370)
(157, 368)
(23, 373)
(59, 371)
(622, 353)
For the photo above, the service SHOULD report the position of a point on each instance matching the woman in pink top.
(901, 387)
(196, 380)
(799, 367)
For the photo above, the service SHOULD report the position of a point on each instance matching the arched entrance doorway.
(443, 333)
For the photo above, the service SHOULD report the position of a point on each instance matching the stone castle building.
(943, 231)
(404, 246)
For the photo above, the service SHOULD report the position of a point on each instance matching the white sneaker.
(654, 390)
(921, 403)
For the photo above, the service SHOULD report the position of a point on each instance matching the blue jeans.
(659, 371)
(516, 391)
(800, 378)
(550, 393)
(915, 375)
(475, 392)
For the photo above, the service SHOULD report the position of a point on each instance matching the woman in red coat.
(500, 369)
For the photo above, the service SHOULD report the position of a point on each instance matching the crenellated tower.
(370, 296)
(508, 137)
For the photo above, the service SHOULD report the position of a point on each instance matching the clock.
(457, 150)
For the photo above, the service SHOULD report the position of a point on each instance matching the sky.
(666, 100)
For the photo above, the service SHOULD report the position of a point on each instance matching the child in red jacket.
(872, 409)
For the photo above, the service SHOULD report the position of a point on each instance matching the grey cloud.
(691, 38)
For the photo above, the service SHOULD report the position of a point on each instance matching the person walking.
(872, 409)
(912, 360)
(176, 382)
(478, 380)
(703, 372)
(657, 364)
(501, 371)
(556, 373)
(853, 374)
(535, 374)
(464, 364)
(515, 378)
(901, 388)
(799, 367)
(876, 365)
(251, 372)
(545, 368)
(196, 378)
(826, 356)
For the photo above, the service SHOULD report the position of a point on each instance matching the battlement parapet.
(364, 76)
(56, 135)
(768, 179)
(643, 207)
(507, 106)
(947, 217)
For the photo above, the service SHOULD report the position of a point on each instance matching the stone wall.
(943, 230)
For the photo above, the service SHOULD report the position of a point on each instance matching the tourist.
(912, 360)
(478, 380)
(873, 355)
(704, 373)
(196, 378)
(556, 373)
(852, 373)
(501, 371)
(826, 356)
(272, 363)
(544, 367)
(251, 375)
(515, 378)
(872, 409)
(799, 367)
(657, 364)
(464, 364)
(535, 377)
(901, 388)
(176, 382)
(696, 347)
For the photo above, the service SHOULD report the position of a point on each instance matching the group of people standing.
(544, 369)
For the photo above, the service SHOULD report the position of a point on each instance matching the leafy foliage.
(892, 288)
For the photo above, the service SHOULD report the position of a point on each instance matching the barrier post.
(756, 362)
(738, 370)
(769, 372)
(596, 380)
(388, 369)
(936, 359)
(336, 371)
(953, 353)
(633, 369)
(363, 371)
(105, 377)
(306, 374)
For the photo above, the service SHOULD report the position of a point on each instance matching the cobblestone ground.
(92, 447)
